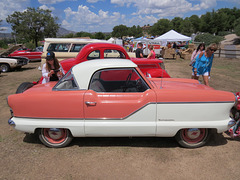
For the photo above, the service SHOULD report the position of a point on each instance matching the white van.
(146, 43)
(65, 48)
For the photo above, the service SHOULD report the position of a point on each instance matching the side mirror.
(148, 75)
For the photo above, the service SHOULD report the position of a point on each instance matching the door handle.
(90, 103)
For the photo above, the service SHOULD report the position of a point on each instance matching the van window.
(77, 47)
(59, 47)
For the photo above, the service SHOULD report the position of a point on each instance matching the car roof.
(72, 40)
(84, 71)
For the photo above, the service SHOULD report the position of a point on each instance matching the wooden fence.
(228, 52)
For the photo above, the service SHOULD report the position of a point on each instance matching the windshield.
(66, 83)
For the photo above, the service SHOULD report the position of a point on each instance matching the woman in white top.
(52, 69)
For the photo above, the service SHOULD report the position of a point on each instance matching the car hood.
(47, 87)
(10, 50)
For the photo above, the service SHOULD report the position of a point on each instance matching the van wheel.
(55, 137)
(5, 67)
(23, 87)
(192, 137)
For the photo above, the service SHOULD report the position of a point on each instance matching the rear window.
(94, 55)
(109, 53)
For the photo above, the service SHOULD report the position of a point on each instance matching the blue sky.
(103, 15)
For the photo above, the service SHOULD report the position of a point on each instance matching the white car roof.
(72, 40)
(84, 71)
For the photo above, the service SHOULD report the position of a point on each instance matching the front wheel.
(5, 67)
(23, 87)
(192, 137)
(55, 137)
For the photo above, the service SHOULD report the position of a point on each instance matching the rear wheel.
(5, 67)
(55, 137)
(192, 137)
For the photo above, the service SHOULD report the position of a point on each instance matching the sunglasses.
(49, 59)
(213, 50)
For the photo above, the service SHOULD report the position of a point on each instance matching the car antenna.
(162, 80)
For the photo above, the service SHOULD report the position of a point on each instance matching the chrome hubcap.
(193, 133)
(55, 133)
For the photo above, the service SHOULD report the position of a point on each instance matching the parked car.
(113, 98)
(32, 55)
(9, 63)
(151, 67)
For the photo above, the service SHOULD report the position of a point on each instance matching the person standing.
(139, 51)
(203, 63)
(196, 52)
(152, 53)
(52, 69)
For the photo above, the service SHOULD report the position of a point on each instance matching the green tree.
(33, 24)
(206, 21)
(70, 35)
(176, 23)
(1, 24)
(237, 27)
(186, 27)
(161, 27)
(135, 31)
(83, 34)
(99, 35)
(120, 31)
(195, 21)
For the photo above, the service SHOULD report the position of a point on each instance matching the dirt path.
(24, 157)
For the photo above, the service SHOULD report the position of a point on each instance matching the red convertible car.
(113, 98)
(34, 55)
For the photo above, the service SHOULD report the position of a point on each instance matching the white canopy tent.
(172, 36)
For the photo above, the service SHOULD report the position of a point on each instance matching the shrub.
(208, 38)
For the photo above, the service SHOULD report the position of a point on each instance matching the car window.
(66, 83)
(109, 53)
(76, 47)
(59, 47)
(118, 80)
(94, 55)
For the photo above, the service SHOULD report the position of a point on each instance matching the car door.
(119, 103)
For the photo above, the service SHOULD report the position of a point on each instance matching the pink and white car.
(113, 98)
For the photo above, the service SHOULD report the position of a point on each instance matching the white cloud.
(85, 20)
(50, 1)
(44, 7)
(9, 7)
(165, 8)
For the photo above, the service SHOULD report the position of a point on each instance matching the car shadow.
(217, 140)
(153, 142)
(24, 69)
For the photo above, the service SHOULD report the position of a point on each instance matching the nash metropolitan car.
(113, 98)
